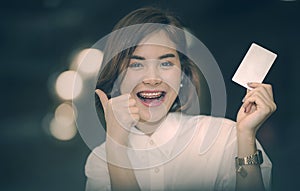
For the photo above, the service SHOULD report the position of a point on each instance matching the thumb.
(247, 91)
(103, 98)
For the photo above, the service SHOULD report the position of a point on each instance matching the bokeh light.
(62, 125)
(68, 85)
(62, 132)
(65, 114)
(87, 61)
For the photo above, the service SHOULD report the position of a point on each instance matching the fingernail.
(243, 100)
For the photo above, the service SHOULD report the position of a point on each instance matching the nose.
(152, 77)
(152, 81)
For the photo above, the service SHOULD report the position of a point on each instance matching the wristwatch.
(255, 159)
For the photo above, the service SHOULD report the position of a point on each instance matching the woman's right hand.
(121, 114)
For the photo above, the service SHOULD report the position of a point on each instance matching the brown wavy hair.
(117, 57)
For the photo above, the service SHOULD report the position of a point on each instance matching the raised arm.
(257, 107)
(120, 114)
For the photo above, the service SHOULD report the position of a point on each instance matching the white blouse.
(185, 152)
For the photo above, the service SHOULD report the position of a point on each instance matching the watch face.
(242, 171)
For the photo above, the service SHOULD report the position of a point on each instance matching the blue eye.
(136, 65)
(167, 64)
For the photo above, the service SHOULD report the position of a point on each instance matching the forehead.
(155, 44)
(158, 38)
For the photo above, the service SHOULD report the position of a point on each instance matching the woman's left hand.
(257, 107)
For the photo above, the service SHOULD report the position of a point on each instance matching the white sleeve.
(96, 171)
(266, 168)
(226, 179)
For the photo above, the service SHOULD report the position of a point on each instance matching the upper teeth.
(150, 95)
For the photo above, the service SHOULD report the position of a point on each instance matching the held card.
(255, 66)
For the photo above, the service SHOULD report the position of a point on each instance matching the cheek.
(129, 82)
(173, 80)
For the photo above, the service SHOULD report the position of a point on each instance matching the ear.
(182, 77)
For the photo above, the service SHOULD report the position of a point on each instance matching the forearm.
(253, 180)
(122, 176)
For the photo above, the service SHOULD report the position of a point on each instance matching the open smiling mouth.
(151, 98)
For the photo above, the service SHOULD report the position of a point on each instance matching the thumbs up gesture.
(121, 113)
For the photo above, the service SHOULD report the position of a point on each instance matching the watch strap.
(255, 159)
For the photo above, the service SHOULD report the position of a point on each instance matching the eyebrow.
(160, 58)
(137, 57)
(166, 56)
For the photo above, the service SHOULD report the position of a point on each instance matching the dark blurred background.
(39, 38)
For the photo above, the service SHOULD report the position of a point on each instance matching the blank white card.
(255, 65)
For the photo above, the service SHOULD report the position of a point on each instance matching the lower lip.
(153, 103)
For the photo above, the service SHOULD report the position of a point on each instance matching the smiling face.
(153, 78)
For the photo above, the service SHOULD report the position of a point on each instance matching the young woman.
(142, 95)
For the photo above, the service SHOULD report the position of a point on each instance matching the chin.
(153, 116)
(151, 119)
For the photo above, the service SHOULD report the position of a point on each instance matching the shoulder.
(96, 160)
(206, 121)
(211, 132)
(96, 170)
